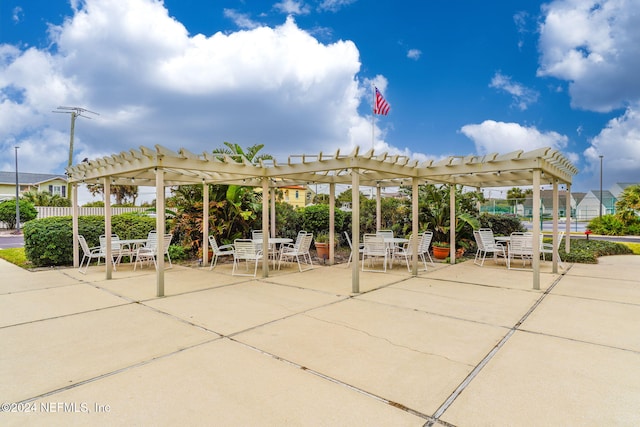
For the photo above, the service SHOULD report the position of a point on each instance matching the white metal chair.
(245, 250)
(486, 243)
(273, 251)
(423, 248)
(520, 246)
(88, 254)
(547, 248)
(115, 249)
(360, 249)
(374, 248)
(405, 251)
(148, 251)
(391, 247)
(218, 251)
(300, 248)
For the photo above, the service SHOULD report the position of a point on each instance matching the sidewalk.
(459, 345)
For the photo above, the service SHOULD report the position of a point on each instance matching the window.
(60, 190)
(297, 195)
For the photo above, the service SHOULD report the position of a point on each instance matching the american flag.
(381, 105)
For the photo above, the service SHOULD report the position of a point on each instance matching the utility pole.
(601, 201)
(75, 112)
(17, 195)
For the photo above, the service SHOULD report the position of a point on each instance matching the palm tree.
(628, 205)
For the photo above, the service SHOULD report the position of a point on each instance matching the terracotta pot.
(323, 250)
(440, 252)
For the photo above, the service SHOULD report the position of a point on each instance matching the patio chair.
(115, 249)
(520, 246)
(388, 234)
(148, 251)
(245, 250)
(405, 251)
(423, 248)
(486, 243)
(300, 248)
(547, 248)
(88, 254)
(360, 249)
(273, 250)
(374, 248)
(218, 251)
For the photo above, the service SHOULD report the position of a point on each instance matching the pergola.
(162, 167)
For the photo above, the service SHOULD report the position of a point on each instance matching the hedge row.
(49, 241)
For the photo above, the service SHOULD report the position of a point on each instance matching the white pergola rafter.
(162, 166)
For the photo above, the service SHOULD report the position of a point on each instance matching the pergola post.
(265, 228)
(452, 223)
(160, 230)
(415, 227)
(567, 230)
(272, 198)
(332, 222)
(355, 230)
(554, 256)
(378, 207)
(205, 224)
(535, 262)
(107, 227)
(74, 224)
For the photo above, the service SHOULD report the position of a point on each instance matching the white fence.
(48, 211)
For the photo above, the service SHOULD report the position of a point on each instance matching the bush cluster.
(614, 225)
(48, 241)
(8, 212)
(502, 225)
(587, 251)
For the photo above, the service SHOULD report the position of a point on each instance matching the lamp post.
(17, 194)
(601, 201)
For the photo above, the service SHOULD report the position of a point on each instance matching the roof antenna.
(75, 112)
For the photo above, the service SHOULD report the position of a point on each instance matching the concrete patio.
(459, 345)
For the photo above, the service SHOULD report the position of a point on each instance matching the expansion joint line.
(436, 416)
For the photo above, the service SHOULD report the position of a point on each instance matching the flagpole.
(373, 117)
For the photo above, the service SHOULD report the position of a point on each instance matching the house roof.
(138, 166)
(25, 178)
(607, 196)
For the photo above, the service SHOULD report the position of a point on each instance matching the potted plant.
(440, 250)
(321, 242)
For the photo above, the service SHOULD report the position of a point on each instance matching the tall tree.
(124, 194)
(628, 204)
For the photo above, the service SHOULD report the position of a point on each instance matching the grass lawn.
(16, 256)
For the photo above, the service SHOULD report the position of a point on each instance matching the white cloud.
(619, 143)
(17, 14)
(334, 5)
(292, 7)
(152, 83)
(594, 46)
(500, 137)
(242, 20)
(414, 54)
(522, 96)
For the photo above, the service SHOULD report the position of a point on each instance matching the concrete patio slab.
(45, 356)
(588, 320)
(625, 291)
(29, 306)
(490, 305)
(15, 279)
(539, 380)
(415, 362)
(230, 309)
(496, 275)
(622, 267)
(219, 383)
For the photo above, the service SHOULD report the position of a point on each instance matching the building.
(592, 204)
(546, 203)
(296, 195)
(38, 182)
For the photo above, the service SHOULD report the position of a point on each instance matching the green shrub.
(178, 253)
(587, 251)
(8, 212)
(315, 219)
(501, 225)
(48, 241)
(609, 225)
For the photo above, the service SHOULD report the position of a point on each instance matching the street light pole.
(17, 194)
(601, 201)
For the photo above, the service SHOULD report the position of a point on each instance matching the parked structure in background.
(37, 182)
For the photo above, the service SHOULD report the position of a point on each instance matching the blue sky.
(462, 77)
